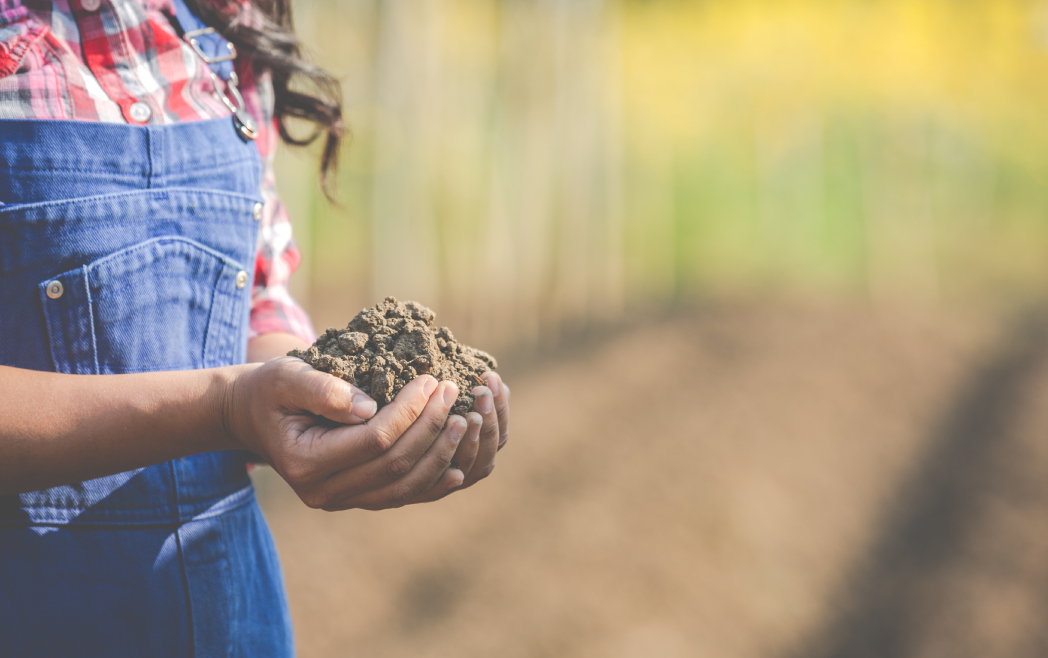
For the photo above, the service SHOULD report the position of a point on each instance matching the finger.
(505, 436)
(402, 457)
(501, 393)
(448, 483)
(324, 395)
(420, 480)
(467, 450)
(489, 436)
(346, 447)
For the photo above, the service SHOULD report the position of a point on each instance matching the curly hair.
(264, 31)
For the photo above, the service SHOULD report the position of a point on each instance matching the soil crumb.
(386, 346)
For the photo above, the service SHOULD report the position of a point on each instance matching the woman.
(136, 192)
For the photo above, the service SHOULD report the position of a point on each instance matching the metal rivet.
(90, 5)
(140, 112)
(241, 279)
(258, 211)
(55, 289)
(245, 125)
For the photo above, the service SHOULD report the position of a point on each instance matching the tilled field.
(745, 481)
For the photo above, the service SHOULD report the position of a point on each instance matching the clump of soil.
(388, 345)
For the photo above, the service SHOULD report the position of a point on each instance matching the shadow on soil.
(940, 560)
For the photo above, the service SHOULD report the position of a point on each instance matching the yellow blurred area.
(692, 66)
(767, 279)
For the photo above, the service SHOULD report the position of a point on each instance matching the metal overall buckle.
(245, 125)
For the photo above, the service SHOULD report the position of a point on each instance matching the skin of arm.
(271, 346)
(57, 428)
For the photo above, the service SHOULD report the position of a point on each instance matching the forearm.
(270, 346)
(56, 429)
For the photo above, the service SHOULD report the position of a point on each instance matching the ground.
(737, 481)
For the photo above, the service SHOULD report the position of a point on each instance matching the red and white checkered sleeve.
(272, 307)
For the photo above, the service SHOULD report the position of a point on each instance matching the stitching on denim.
(91, 317)
(73, 170)
(113, 293)
(53, 522)
(149, 159)
(217, 255)
(210, 316)
(184, 246)
(52, 341)
(242, 498)
(236, 316)
(127, 507)
(108, 225)
(145, 516)
(87, 229)
(126, 174)
(12, 208)
(177, 239)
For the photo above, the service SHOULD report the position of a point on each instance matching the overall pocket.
(167, 303)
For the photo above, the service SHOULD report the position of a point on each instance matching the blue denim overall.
(130, 249)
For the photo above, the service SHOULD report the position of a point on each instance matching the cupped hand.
(325, 439)
(487, 433)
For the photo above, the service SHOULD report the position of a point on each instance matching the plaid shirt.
(93, 60)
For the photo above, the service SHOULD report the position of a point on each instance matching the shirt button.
(90, 5)
(241, 279)
(140, 112)
(55, 289)
(258, 211)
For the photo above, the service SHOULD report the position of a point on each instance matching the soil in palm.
(386, 346)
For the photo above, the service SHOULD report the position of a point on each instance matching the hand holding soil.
(307, 425)
(393, 353)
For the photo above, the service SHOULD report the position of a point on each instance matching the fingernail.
(364, 407)
(484, 402)
(450, 393)
(493, 383)
(475, 421)
(429, 385)
(458, 428)
(456, 482)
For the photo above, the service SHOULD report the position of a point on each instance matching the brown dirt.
(386, 346)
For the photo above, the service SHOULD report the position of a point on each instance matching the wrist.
(226, 408)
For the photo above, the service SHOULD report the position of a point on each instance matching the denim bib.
(129, 249)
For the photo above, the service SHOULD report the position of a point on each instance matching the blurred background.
(767, 278)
